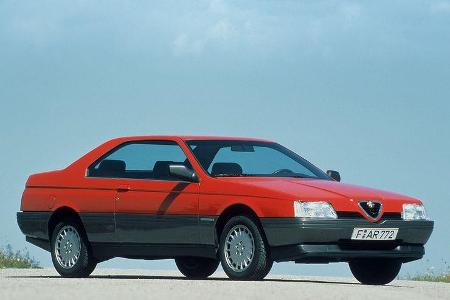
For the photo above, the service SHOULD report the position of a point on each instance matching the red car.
(203, 200)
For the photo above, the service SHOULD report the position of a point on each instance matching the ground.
(111, 284)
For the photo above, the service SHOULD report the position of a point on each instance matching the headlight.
(414, 212)
(319, 210)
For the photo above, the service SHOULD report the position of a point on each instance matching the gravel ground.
(148, 284)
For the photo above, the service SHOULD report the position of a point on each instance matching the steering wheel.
(282, 171)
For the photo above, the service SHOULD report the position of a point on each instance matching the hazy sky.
(358, 86)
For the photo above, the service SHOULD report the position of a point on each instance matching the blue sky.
(358, 86)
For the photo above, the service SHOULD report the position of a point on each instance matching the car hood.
(343, 196)
(350, 190)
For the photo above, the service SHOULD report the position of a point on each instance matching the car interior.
(112, 168)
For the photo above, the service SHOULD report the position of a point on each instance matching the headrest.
(161, 169)
(226, 169)
(111, 167)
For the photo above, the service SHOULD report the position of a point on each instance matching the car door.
(151, 206)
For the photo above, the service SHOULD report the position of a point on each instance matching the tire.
(250, 259)
(375, 271)
(268, 268)
(196, 267)
(74, 241)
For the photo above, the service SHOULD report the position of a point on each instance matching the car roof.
(199, 137)
(90, 157)
(188, 138)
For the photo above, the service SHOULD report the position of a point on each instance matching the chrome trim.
(380, 211)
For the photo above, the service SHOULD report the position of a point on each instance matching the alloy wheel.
(67, 247)
(239, 248)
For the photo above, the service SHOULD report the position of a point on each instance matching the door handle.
(123, 188)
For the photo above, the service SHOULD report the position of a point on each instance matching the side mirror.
(334, 175)
(182, 172)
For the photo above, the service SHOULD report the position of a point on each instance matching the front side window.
(251, 158)
(140, 160)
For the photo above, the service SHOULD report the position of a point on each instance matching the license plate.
(374, 234)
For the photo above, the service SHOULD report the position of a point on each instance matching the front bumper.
(317, 241)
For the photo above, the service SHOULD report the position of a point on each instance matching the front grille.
(391, 216)
(367, 245)
(349, 215)
(357, 215)
(371, 208)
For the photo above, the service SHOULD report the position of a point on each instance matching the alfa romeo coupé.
(244, 203)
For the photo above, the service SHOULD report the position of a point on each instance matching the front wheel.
(375, 271)
(243, 252)
(196, 267)
(70, 251)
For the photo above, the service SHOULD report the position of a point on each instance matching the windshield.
(230, 158)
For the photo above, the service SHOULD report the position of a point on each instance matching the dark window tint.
(261, 160)
(141, 160)
(251, 158)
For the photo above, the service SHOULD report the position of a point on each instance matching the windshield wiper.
(234, 175)
(264, 175)
(294, 176)
(300, 176)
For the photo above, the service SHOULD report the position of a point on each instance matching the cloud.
(218, 7)
(440, 7)
(248, 29)
(266, 28)
(179, 29)
(195, 43)
(350, 11)
(183, 44)
(215, 24)
(222, 30)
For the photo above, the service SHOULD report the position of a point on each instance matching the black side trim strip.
(104, 251)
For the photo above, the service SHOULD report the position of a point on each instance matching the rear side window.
(140, 160)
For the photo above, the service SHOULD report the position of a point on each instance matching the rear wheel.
(243, 253)
(375, 271)
(70, 251)
(196, 267)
